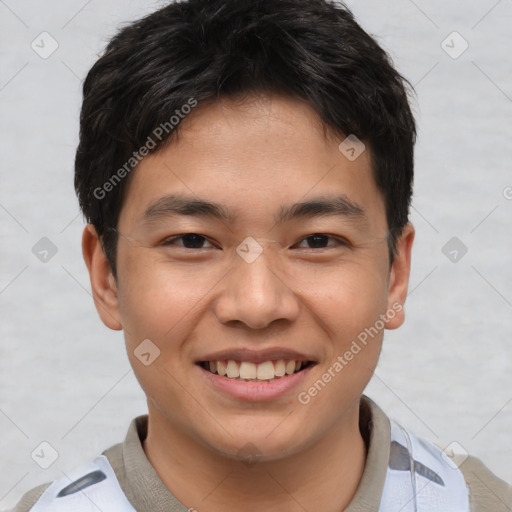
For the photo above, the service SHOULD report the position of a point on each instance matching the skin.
(253, 157)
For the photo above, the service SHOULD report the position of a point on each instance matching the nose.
(255, 294)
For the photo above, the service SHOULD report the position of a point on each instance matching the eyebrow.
(189, 206)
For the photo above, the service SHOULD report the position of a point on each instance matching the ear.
(399, 278)
(103, 285)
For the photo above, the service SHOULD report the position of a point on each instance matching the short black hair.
(190, 52)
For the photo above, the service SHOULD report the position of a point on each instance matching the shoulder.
(89, 487)
(486, 490)
(102, 479)
(481, 488)
(28, 500)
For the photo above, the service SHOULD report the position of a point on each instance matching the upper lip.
(256, 356)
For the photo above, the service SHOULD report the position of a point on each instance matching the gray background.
(65, 378)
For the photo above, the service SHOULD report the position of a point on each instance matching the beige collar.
(146, 491)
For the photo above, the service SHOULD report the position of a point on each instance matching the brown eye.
(320, 241)
(189, 241)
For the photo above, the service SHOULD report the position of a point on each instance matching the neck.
(324, 477)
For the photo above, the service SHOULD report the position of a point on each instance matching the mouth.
(247, 371)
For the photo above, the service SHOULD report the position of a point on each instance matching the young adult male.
(245, 168)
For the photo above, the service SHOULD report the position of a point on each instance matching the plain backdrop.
(65, 378)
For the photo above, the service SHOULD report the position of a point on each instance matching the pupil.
(196, 241)
(317, 241)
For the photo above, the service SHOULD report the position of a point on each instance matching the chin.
(257, 442)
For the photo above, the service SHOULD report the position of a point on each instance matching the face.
(252, 245)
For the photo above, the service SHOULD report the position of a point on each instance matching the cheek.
(349, 310)
(158, 300)
(349, 298)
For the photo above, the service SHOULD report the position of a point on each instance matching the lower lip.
(256, 391)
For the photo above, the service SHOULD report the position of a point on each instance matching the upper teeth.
(267, 370)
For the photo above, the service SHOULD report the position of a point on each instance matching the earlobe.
(103, 284)
(399, 279)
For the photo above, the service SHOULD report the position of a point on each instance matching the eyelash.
(339, 241)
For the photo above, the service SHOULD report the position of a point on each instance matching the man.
(245, 168)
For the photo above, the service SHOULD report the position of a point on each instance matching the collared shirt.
(147, 493)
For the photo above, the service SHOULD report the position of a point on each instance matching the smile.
(268, 371)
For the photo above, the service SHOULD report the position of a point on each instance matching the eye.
(189, 241)
(318, 241)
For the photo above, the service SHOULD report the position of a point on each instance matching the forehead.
(253, 157)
